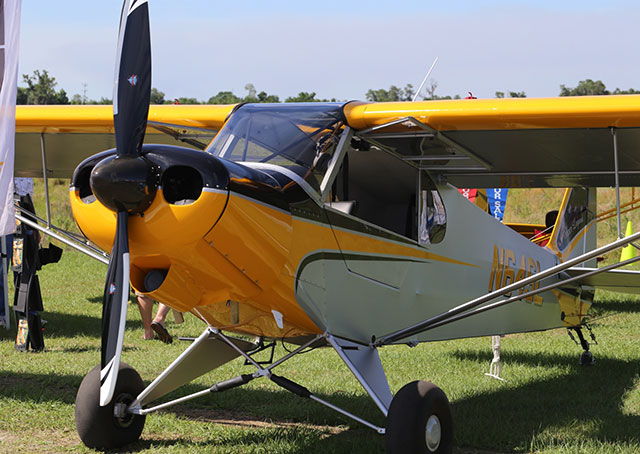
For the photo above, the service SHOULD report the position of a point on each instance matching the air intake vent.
(181, 185)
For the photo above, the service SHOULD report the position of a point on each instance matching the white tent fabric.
(9, 42)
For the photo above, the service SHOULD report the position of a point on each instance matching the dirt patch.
(230, 418)
(45, 442)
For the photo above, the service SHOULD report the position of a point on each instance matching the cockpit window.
(295, 136)
(432, 217)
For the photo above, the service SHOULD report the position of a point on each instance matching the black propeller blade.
(125, 183)
(132, 90)
(114, 310)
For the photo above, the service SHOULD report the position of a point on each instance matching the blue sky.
(342, 48)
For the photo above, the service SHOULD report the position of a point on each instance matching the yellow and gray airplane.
(330, 224)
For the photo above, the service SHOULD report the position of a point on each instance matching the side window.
(433, 217)
(381, 188)
(579, 212)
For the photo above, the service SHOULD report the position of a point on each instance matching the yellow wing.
(535, 142)
(73, 133)
(519, 142)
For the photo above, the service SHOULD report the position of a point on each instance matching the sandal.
(162, 332)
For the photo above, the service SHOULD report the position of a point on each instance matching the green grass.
(549, 404)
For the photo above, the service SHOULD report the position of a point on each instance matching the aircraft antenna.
(425, 78)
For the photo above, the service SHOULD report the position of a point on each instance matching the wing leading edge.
(519, 142)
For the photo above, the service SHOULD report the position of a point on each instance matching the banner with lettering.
(469, 194)
(497, 202)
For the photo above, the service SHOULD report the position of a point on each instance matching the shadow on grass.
(148, 443)
(613, 306)
(273, 406)
(39, 388)
(96, 299)
(250, 417)
(585, 403)
(272, 417)
(294, 440)
(60, 324)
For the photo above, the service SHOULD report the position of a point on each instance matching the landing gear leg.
(586, 358)
(419, 420)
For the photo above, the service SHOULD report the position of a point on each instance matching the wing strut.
(617, 177)
(46, 180)
(438, 320)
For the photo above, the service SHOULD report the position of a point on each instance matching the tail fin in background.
(575, 232)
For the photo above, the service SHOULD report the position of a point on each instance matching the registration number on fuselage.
(507, 269)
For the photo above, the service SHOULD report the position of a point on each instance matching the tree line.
(41, 89)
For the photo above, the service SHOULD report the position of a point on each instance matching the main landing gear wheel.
(99, 427)
(419, 420)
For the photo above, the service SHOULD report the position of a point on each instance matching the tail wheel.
(99, 427)
(419, 420)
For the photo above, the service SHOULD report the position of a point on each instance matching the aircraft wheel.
(419, 420)
(97, 426)
(586, 358)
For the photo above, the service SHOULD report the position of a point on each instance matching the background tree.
(264, 97)
(392, 94)
(431, 89)
(224, 97)
(585, 87)
(183, 100)
(431, 92)
(304, 96)
(78, 99)
(41, 89)
(630, 91)
(102, 100)
(157, 97)
(251, 93)
(512, 94)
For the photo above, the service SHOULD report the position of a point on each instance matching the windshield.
(289, 135)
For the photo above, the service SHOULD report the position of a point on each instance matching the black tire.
(587, 359)
(97, 426)
(413, 407)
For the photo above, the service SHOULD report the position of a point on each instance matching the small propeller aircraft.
(332, 224)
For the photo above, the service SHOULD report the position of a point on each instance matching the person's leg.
(145, 304)
(161, 314)
(158, 324)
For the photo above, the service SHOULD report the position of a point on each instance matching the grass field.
(548, 404)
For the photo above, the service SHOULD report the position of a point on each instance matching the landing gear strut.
(586, 358)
